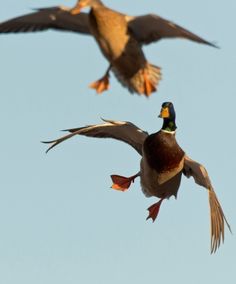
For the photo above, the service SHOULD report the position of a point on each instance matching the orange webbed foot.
(154, 210)
(149, 88)
(101, 85)
(122, 183)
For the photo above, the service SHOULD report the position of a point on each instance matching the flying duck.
(119, 36)
(162, 166)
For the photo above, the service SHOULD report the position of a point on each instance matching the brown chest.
(163, 152)
(110, 31)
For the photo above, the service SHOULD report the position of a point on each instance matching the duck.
(119, 36)
(163, 163)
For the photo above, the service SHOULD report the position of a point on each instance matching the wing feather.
(150, 28)
(218, 219)
(57, 18)
(119, 130)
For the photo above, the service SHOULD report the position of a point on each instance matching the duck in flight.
(163, 163)
(119, 36)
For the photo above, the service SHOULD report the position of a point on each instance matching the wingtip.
(104, 119)
(215, 45)
(218, 222)
(107, 120)
(48, 142)
(53, 145)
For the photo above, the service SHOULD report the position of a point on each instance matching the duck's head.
(85, 3)
(168, 115)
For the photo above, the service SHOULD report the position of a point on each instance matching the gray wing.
(150, 28)
(218, 219)
(58, 18)
(119, 130)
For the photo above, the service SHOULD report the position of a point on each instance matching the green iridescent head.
(168, 115)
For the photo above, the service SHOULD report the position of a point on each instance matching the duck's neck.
(96, 4)
(169, 125)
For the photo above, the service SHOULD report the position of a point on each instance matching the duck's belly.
(131, 60)
(153, 184)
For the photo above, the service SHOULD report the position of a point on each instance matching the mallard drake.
(119, 36)
(162, 164)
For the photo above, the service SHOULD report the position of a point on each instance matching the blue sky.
(60, 221)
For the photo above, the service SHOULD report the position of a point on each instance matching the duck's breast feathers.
(161, 185)
(107, 21)
(110, 31)
(163, 152)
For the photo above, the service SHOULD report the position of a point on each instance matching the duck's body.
(162, 165)
(102, 31)
(123, 51)
(119, 36)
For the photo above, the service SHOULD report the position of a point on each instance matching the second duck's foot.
(154, 210)
(101, 85)
(122, 183)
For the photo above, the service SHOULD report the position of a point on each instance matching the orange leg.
(102, 84)
(154, 210)
(148, 85)
(122, 183)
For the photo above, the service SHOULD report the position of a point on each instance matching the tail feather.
(145, 81)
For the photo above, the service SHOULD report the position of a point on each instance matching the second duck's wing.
(150, 28)
(58, 18)
(218, 219)
(119, 130)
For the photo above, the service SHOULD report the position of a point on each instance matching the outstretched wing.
(218, 220)
(58, 18)
(150, 28)
(119, 130)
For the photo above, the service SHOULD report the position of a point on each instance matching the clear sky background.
(59, 220)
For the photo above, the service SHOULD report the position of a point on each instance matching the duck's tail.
(145, 81)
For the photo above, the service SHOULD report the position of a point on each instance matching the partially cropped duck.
(119, 36)
(162, 165)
